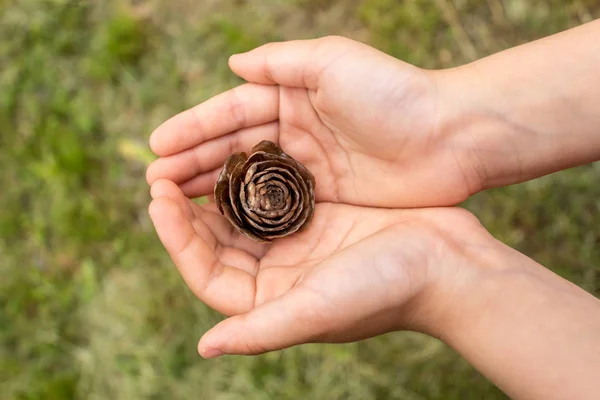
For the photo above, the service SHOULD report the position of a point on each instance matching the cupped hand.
(365, 124)
(355, 272)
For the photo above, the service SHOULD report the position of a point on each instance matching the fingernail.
(211, 353)
(237, 55)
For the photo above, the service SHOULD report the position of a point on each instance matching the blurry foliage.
(407, 30)
(90, 306)
(555, 219)
(120, 43)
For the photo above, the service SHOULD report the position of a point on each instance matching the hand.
(354, 273)
(365, 124)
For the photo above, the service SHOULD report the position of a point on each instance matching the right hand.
(365, 124)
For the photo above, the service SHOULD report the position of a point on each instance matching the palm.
(369, 125)
(215, 258)
(347, 254)
(364, 120)
(355, 167)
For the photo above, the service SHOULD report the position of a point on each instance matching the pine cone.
(267, 195)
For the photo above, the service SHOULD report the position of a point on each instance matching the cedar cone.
(267, 195)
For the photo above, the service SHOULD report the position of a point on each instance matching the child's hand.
(354, 273)
(376, 131)
(358, 272)
(364, 123)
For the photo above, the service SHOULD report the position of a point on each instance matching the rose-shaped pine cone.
(267, 195)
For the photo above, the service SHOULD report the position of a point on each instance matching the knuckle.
(336, 40)
(314, 321)
(252, 347)
(270, 45)
(236, 108)
(249, 344)
(233, 143)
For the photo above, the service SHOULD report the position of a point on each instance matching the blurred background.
(91, 306)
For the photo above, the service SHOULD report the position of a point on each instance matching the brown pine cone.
(267, 195)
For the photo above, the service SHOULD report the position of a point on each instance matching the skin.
(356, 138)
(397, 137)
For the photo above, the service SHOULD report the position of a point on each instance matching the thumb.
(295, 63)
(291, 319)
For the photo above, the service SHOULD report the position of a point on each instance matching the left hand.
(353, 273)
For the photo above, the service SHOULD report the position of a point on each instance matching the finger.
(201, 185)
(242, 107)
(239, 258)
(226, 234)
(294, 318)
(296, 63)
(207, 156)
(166, 188)
(227, 289)
(278, 324)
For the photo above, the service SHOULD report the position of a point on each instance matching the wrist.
(524, 327)
(487, 279)
(462, 258)
(476, 129)
(524, 112)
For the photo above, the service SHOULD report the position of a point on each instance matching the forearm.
(528, 111)
(532, 333)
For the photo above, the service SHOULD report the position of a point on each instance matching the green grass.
(90, 305)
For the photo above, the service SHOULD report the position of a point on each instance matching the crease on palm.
(233, 274)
